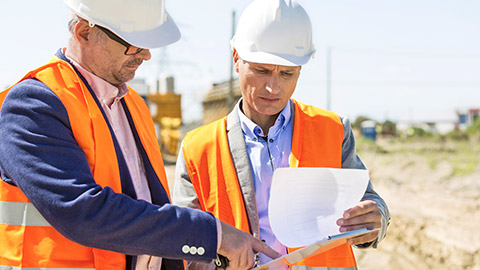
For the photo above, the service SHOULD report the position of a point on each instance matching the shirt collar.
(253, 131)
(105, 91)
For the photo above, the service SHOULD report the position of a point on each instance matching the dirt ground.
(432, 188)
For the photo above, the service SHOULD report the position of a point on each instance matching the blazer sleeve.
(350, 159)
(39, 154)
(183, 191)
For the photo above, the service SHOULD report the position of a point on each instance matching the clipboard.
(314, 249)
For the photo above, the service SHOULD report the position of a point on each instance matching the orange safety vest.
(316, 142)
(28, 241)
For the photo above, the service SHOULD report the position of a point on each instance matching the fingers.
(369, 237)
(242, 258)
(361, 208)
(260, 246)
(245, 260)
(369, 226)
(363, 215)
(369, 220)
(238, 246)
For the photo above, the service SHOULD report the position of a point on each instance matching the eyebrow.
(260, 65)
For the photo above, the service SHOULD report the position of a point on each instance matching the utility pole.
(162, 66)
(329, 77)
(231, 97)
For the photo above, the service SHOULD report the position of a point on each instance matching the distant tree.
(457, 135)
(357, 124)
(474, 128)
(389, 128)
(419, 132)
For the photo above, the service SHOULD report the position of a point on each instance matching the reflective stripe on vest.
(18, 213)
(25, 244)
(317, 142)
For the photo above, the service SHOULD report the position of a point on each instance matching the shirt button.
(200, 251)
(271, 140)
(185, 249)
(193, 250)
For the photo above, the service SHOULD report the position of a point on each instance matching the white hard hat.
(275, 32)
(144, 24)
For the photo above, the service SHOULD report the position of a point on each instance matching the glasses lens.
(132, 50)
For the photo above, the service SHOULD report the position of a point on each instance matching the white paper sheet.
(305, 203)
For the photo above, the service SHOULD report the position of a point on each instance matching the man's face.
(108, 61)
(265, 88)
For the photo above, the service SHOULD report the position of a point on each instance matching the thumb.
(262, 247)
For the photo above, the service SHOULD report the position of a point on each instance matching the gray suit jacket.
(184, 192)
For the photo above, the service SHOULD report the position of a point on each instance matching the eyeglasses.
(131, 50)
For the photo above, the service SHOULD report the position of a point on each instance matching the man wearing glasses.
(83, 184)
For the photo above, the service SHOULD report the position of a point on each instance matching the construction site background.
(428, 178)
(432, 189)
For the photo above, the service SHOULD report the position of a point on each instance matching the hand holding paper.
(305, 203)
(364, 215)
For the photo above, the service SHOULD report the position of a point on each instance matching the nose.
(272, 84)
(144, 54)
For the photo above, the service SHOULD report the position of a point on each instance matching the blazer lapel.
(238, 151)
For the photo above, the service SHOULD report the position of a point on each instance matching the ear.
(236, 60)
(83, 32)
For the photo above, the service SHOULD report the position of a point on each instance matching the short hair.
(74, 19)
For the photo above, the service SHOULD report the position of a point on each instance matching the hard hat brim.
(274, 58)
(163, 35)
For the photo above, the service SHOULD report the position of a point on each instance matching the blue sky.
(399, 59)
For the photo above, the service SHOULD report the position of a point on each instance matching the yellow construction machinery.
(168, 117)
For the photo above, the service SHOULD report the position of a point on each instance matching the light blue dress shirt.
(267, 152)
(272, 151)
